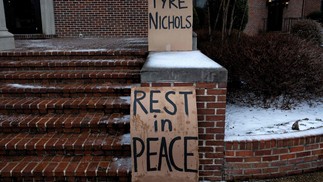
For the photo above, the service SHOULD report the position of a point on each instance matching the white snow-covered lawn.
(255, 123)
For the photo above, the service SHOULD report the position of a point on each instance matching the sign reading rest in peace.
(170, 25)
(164, 134)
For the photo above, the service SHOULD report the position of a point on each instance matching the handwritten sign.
(170, 25)
(164, 133)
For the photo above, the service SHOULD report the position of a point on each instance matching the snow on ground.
(85, 44)
(38, 44)
(255, 123)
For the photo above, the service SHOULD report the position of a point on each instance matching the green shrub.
(307, 29)
(269, 66)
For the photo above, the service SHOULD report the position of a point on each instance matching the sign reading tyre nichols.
(164, 134)
(170, 25)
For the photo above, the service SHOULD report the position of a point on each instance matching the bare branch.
(232, 17)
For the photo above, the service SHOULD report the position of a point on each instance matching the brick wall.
(221, 159)
(211, 101)
(96, 18)
(313, 5)
(273, 158)
(294, 9)
(258, 11)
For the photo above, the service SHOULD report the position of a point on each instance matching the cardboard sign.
(164, 134)
(170, 24)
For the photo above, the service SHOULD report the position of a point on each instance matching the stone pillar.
(192, 68)
(47, 16)
(7, 40)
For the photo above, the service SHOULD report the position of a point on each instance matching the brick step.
(65, 168)
(69, 76)
(74, 54)
(31, 105)
(65, 123)
(84, 143)
(71, 90)
(74, 64)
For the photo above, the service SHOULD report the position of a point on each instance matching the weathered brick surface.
(67, 76)
(99, 63)
(112, 18)
(84, 143)
(66, 123)
(64, 115)
(272, 158)
(72, 90)
(74, 168)
(68, 54)
(64, 105)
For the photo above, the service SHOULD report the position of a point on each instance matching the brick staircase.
(64, 116)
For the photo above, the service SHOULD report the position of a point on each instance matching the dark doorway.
(23, 16)
(275, 15)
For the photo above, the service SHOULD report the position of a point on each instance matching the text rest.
(139, 96)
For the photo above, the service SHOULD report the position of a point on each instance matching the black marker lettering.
(153, 21)
(171, 157)
(186, 101)
(177, 22)
(186, 154)
(163, 153)
(180, 6)
(170, 126)
(188, 20)
(154, 4)
(156, 125)
(171, 3)
(135, 153)
(170, 22)
(159, 24)
(149, 168)
(152, 101)
(138, 100)
(163, 22)
(171, 102)
(164, 3)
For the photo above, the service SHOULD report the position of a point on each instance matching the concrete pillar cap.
(182, 66)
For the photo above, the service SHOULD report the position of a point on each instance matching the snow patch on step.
(125, 139)
(79, 50)
(15, 85)
(126, 99)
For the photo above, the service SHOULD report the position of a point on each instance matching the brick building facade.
(128, 18)
(113, 18)
(291, 11)
(72, 18)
